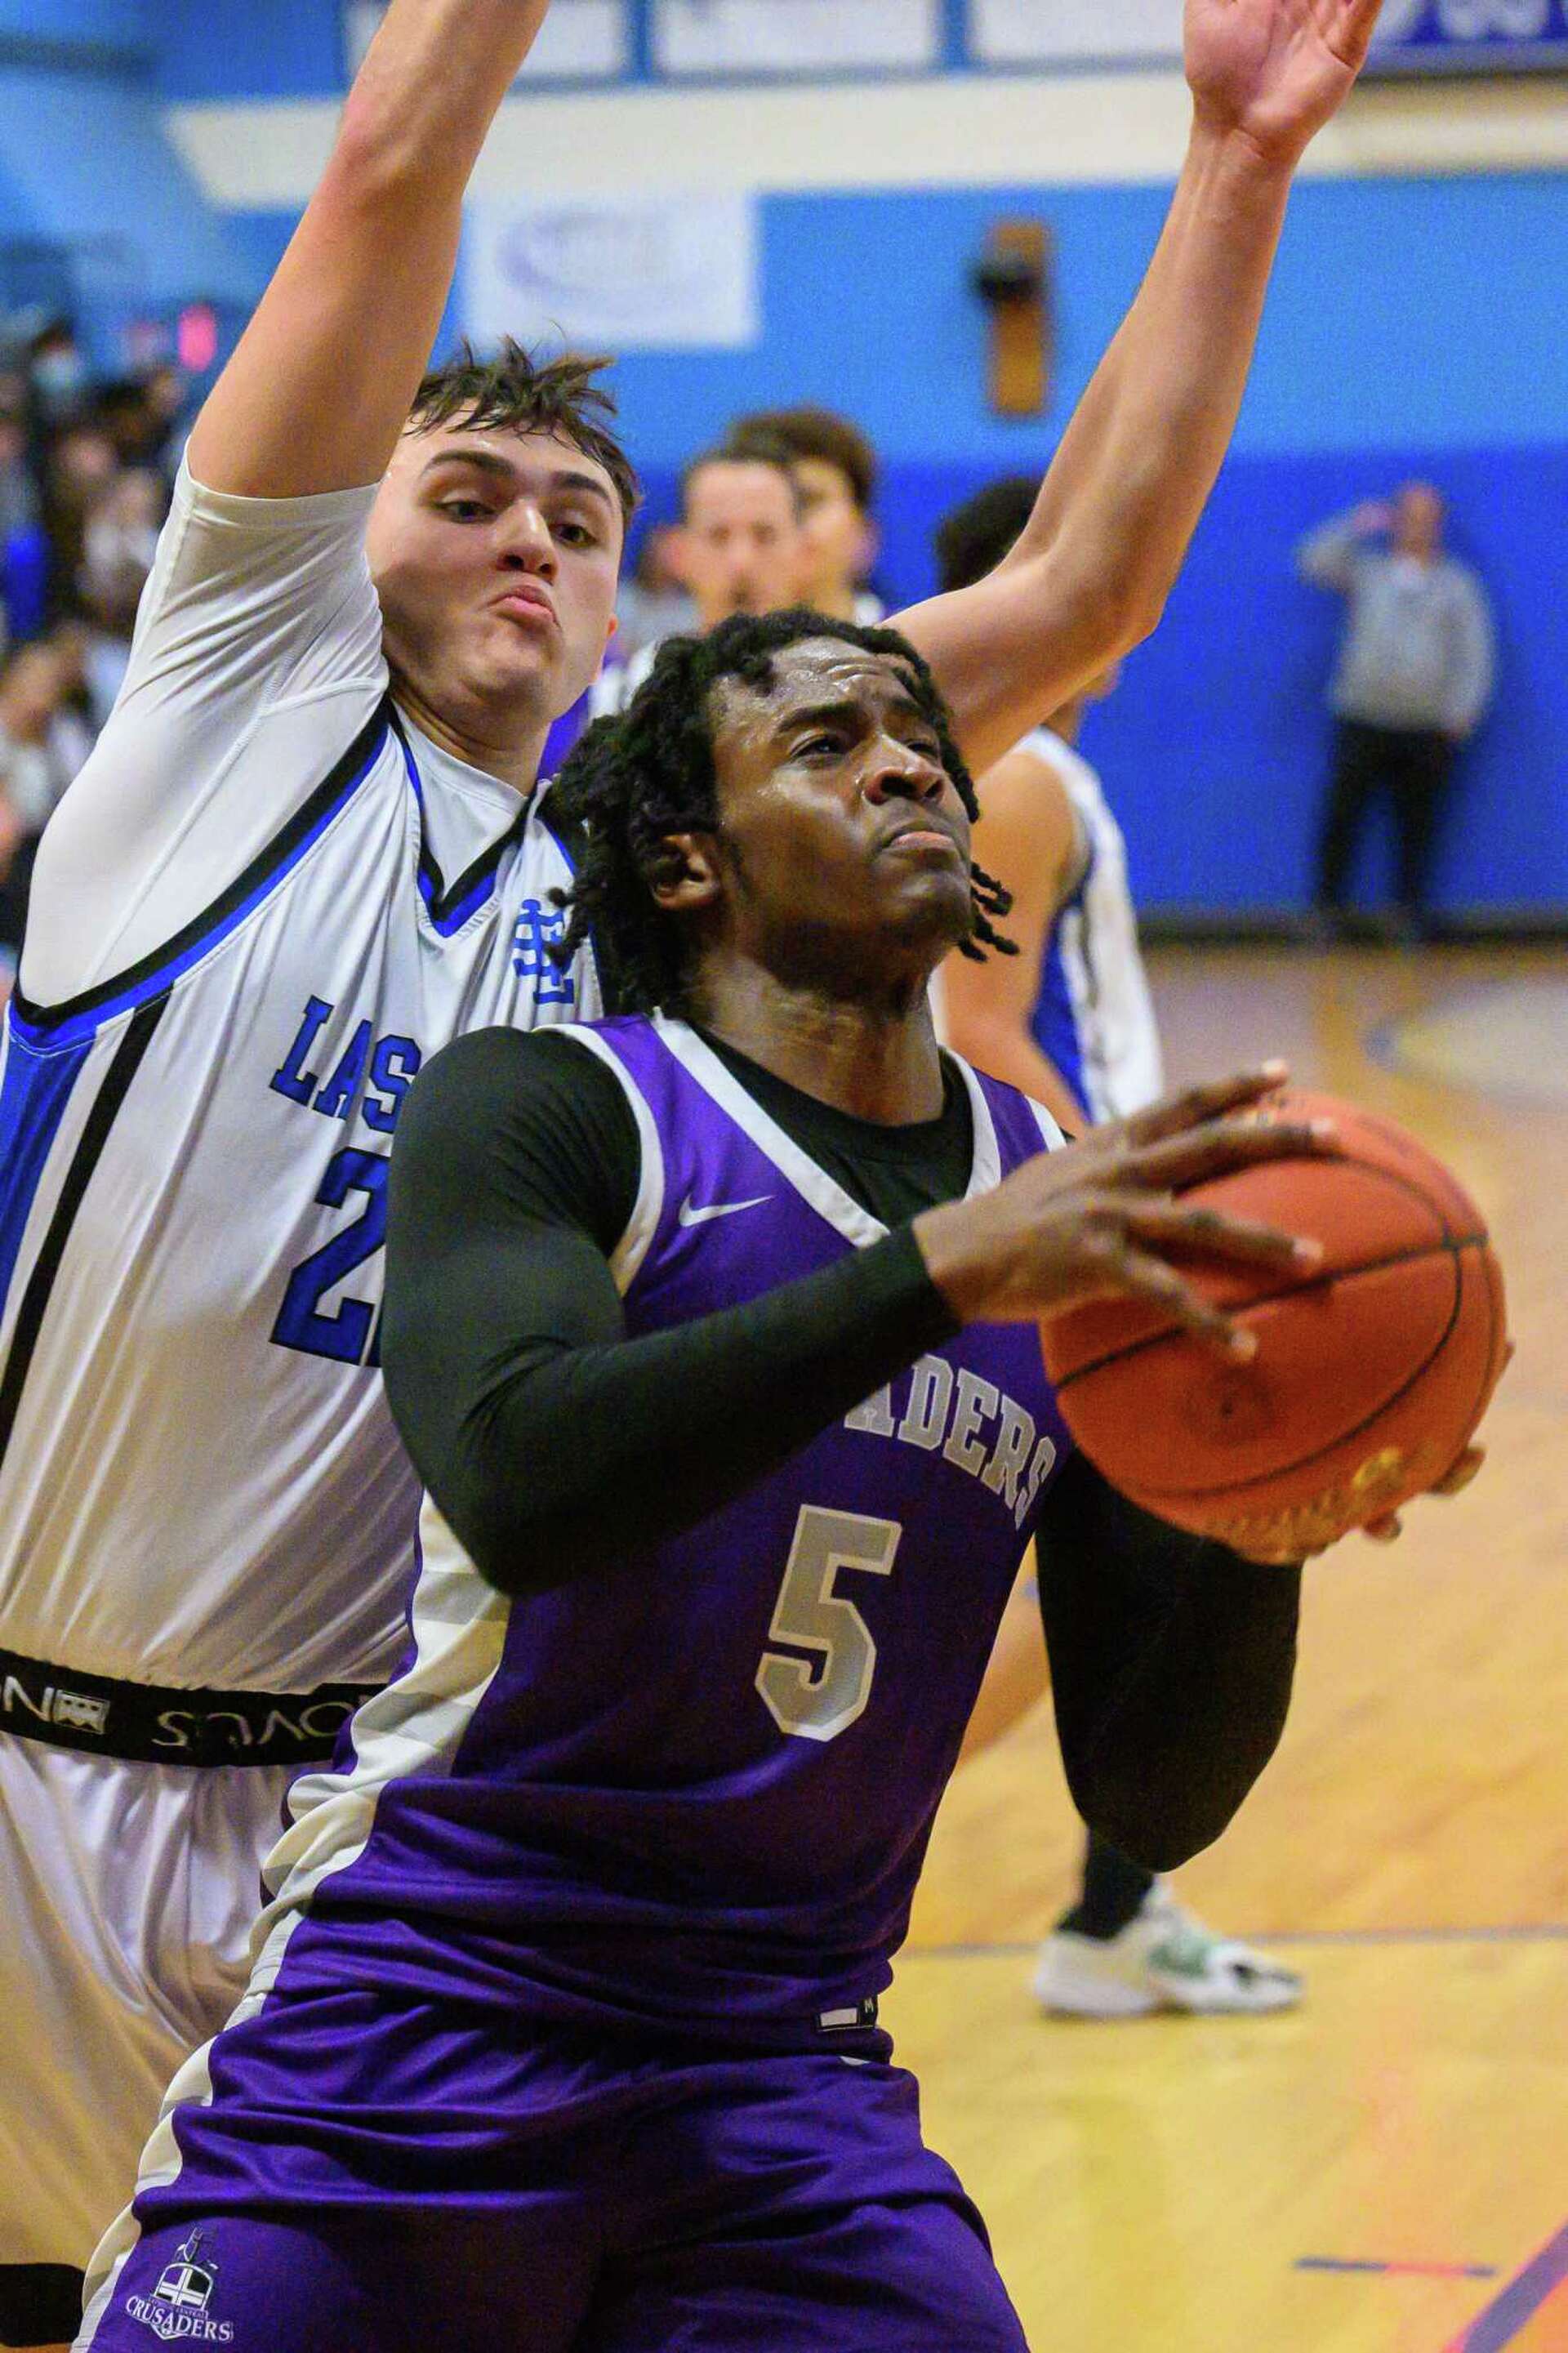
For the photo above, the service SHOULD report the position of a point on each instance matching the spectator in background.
(1413, 682)
(168, 399)
(142, 415)
(78, 465)
(117, 546)
(740, 549)
(836, 471)
(83, 491)
(24, 549)
(37, 760)
(58, 374)
(19, 491)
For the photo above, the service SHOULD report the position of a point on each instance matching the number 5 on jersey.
(810, 1614)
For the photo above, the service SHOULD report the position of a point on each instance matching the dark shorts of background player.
(371, 2174)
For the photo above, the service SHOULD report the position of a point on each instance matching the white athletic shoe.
(1163, 1959)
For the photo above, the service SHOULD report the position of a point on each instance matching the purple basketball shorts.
(373, 2176)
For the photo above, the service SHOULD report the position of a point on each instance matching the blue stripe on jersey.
(123, 1065)
(449, 910)
(158, 972)
(1054, 1022)
(34, 1093)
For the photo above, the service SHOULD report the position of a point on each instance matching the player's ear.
(685, 875)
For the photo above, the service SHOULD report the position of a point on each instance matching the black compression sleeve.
(1172, 1661)
(553, 1443)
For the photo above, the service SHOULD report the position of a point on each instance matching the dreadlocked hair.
(633, 780)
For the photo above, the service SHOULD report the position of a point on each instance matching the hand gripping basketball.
(1102, 1218)
(1269, 1318)
(1372, 1370)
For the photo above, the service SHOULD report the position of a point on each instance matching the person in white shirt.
(306, 852)
(739, 547)
(835, 470)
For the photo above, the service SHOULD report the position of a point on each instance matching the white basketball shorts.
(127, 1895)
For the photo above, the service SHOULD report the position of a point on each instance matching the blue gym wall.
(120, 23)
(98, 213)
(1415, 325)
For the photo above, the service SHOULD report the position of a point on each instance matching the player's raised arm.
(1090, 574)
(319, 386)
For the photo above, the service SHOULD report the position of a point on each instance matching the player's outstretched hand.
(1274, 71)
(1102, 1218)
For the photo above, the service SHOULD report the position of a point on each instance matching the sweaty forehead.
(819, 668)
(811, 675)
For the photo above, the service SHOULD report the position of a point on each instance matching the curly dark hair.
(513, 389)
(632, 781)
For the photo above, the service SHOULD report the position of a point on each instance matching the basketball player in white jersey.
(836, 471)
(304, 855)
(742, 546)
(1071, 1021)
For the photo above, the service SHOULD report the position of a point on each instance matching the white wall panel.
(582, 40)
(969, 130)
(793, 37)
(1062, 32)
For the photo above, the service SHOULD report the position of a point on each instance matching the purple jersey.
(695, 1790)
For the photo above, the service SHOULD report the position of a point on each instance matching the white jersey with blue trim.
(264, 905)
(1095, 937)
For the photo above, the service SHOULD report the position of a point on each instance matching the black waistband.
(147, 1723)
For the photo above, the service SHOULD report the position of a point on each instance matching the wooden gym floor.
(1384, 2170)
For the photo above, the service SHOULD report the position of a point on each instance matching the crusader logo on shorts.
(177, 2308)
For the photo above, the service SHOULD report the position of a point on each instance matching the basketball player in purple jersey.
(711, 1329)
(307, 853)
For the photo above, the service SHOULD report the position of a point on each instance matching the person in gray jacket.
(1412, 682)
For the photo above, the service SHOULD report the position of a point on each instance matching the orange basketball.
(1373, 1369)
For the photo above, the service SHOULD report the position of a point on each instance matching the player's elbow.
(1116, 609)
(522, 1545)
(375, 163)
(521, 1556)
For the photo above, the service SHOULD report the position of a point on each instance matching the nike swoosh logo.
(687, 1215)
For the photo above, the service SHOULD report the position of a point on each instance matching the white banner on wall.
(616, 273)
(794, 37)
(581, 40)
(1073, 32)
(1446, 36)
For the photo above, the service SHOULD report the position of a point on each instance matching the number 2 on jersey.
(811, 1616)
(301, 1322)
